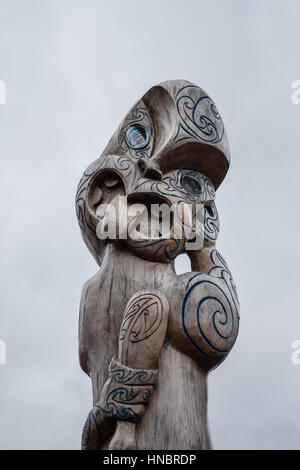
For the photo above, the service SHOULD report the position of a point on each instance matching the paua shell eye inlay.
(137, 136)
(191, 184)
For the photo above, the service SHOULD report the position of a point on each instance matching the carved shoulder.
(88, 290)
(205, 322)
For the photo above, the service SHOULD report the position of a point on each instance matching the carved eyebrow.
(183, 170)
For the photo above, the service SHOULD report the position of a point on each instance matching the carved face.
(170, 149)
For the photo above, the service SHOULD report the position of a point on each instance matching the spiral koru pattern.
(199, 117)
(210, 310)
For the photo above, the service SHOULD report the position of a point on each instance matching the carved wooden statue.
(147, 336)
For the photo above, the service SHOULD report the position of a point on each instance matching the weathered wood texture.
(147, 336)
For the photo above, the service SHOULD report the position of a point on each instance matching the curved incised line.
(228, 303)
(208, 128)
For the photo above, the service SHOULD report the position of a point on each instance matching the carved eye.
(191, 184)
(137, 136)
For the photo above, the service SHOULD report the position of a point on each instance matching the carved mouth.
(147, 199)
(157, 211)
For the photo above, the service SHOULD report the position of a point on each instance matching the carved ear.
(208, 233)
(206, 224)
(211, 222)
(99, 185)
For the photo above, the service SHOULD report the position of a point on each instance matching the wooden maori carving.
(147, 336)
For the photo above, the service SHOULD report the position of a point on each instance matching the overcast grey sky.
(72, 70)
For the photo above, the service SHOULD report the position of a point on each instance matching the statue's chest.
(106, 298)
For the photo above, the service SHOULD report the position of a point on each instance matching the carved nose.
(153, 174)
